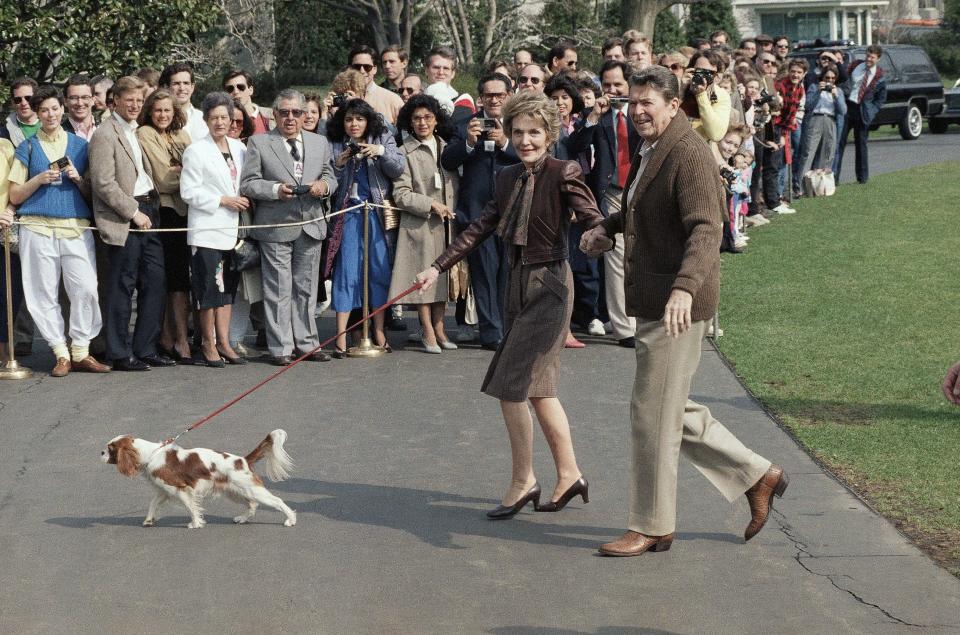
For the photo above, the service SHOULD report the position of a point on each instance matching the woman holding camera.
(825, 105)
(530, 211)
(163, 139)
(47, 183)
(426, 194)
(706, 104)
(209, 184)
(366, 161)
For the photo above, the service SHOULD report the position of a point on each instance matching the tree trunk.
(642, 14)
(465, 33)
(489, 30)
(453, 29)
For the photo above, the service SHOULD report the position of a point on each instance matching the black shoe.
(131, 364)
(490, 346)
(317, 356)
(627, 342)
(395, 324)
(157, 360)
(281, 360)
(339, 353)
(233, 361)
(502, 512)
(201, 360)
(579, 488)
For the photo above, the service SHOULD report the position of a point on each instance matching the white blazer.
(204, 179)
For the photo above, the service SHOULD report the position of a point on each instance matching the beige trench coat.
(420, 236)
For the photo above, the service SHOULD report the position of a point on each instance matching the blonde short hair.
(351, 80)
(536, 105)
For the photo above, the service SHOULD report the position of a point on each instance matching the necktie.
(863, 85)
(293, 149)
(623, 150)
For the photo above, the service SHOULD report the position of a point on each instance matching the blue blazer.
(603, 138)
(479, 171)
(874, 98)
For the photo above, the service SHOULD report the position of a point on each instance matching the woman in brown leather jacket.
(531, 211)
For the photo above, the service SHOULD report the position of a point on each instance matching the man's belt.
(149, 197)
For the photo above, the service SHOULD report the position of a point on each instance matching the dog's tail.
(279, 462)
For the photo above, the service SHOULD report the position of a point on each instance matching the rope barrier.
(276, 374)
(237, 227)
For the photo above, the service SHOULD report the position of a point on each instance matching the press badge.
(298, 169)
(437, 181)
(354, 194)
(489, 146)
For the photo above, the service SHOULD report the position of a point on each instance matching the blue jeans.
(795, 137)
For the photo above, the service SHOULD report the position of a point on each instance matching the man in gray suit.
(288, 173)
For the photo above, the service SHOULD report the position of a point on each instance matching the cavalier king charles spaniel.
(190, 475)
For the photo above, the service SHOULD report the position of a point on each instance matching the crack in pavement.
(803, 553)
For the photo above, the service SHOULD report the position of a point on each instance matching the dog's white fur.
(189, 475)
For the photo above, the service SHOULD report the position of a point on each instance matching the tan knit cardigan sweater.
(671, 227)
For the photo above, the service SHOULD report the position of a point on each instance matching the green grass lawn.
(843, 319)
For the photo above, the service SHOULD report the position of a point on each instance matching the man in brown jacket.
(671, 227)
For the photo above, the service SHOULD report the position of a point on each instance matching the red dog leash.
(213, 414)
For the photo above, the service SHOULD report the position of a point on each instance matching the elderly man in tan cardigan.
(672, 227)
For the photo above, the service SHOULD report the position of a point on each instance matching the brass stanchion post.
(366, 348)
(10, 369)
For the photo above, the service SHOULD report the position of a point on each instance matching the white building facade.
(809, 19)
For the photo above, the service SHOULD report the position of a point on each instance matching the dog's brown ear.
(128, 459)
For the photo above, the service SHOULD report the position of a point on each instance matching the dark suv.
(914, 89)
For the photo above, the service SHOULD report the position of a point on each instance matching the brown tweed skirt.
(538, 307)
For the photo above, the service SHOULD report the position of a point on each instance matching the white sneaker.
(756, 220)
(740, 244)
(783, 208)
(596, 327)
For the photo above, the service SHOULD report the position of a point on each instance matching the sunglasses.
(677, 67)
(366, 68)
(407, 90)
(523, 79)
(492, 96)
(25, 98)
(285, 112)
(239, 87)
(768, 61)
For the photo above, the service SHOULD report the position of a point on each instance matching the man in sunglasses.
(385, 102)
(533, 77)
(410, 85)
(289, 173)
(826, 59)
(562, 57)
(22, 123)
(239, 85)
(178, 79)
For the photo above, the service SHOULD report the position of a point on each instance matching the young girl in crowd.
(725, 150)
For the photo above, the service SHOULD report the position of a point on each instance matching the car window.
(915, 65)
(887, 65)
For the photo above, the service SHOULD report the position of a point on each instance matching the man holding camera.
(481, 148)
(288, 172)
(607, 128)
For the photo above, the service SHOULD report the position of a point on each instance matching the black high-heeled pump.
(580, 487)
(502, 512)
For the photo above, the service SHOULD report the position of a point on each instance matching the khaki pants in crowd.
(622, 325)
(665, 423)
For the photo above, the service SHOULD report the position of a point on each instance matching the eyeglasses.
(425, 119)
(523, 79)
(76, 98)
(237, 122)
(366, 68)
(495, 96)
(768, 61)
(239, 87)
(783, 46)
(407, 90)
(25, 98)
(677, 67)
(826, 58)
(285, 112)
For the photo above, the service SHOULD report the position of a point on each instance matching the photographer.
(706, 104)
(826, 105)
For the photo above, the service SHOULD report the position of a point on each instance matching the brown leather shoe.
(62, 369)
(633, 543)
(89, 365)
(760, 498)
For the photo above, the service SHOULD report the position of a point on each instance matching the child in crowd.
(725, 150)
(740, 199)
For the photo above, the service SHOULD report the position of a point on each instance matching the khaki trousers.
(665, 423)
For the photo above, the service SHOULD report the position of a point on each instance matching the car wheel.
(912, 123)
(937, 126)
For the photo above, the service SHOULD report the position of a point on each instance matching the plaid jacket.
(793, 96)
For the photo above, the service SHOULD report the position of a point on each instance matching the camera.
(729, 175)
(299, 190)
(488, 123)
(618, 101)
(765, 98)
(354, 148)
(702, 76)
(828, 87)
(340, 100)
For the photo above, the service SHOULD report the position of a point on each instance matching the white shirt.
(144, 183)
(298, 140)
(645, 151)
(858, 80)
(196, 127)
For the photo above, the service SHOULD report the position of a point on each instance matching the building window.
(797, 25)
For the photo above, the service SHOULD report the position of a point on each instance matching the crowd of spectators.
(136, 154)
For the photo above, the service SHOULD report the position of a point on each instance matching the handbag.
(391, 214)
(458, 284)
(246, 253)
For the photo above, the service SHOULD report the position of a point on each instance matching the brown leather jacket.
(558, 190)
